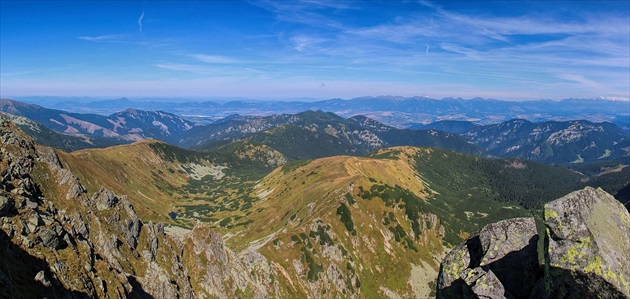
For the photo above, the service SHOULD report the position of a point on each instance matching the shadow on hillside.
(518, 271)
(17, 274)
(623, 196)
(137, 292)
(576, 284)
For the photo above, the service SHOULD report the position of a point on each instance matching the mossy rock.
(588, 248)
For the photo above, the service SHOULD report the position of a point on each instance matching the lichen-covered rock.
(487, 285)
(501, 258)
(588, 252)
(509, 250)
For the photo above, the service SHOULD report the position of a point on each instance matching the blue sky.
(513, 50)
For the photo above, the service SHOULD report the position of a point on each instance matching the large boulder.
(500, 261)
(588, 252)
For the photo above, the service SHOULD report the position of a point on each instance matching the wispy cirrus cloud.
(214, 58)
(207, 71)
(101, 38)
(306, 12)
(303, 43)
(582, 80)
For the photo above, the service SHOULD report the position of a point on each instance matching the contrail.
(140, 21)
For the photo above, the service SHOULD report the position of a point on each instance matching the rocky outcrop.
(220, 271)
(585, 255)
(56, 241)
(588, 246)
(498, 261)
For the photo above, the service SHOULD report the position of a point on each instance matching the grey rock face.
(50, 238)
(104, 199)
(230, 274)
(509, 250)
(489, 286)
(588, 249)
(499, 261)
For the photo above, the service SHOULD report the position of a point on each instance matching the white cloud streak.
(100, 38)
(213, 59)
(140, 21)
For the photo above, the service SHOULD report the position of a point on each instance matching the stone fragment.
(49, 238)
(104, 199)
(41, 277)
(7, 206)
(31, 204)
(489, 286)
(34, 221)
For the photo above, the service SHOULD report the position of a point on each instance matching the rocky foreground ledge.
(586, 254)
(57, 241)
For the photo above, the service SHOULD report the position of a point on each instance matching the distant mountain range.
(451, 126)
(305, 135)
(123, 127)
(43, 135)
(315, 134)
(391, 110)
(552, 142)
(557, 142)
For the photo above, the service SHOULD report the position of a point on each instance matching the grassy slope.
(470, 192)
(297, 198)
(151, 182)
(160, 178)
(359, 223)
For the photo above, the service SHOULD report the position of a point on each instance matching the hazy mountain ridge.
(314, 134)
(451, 126)
(392, 110)
(125, 126)
(553, 142)
(67, 142)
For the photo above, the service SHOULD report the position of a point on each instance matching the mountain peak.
(132, 110)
